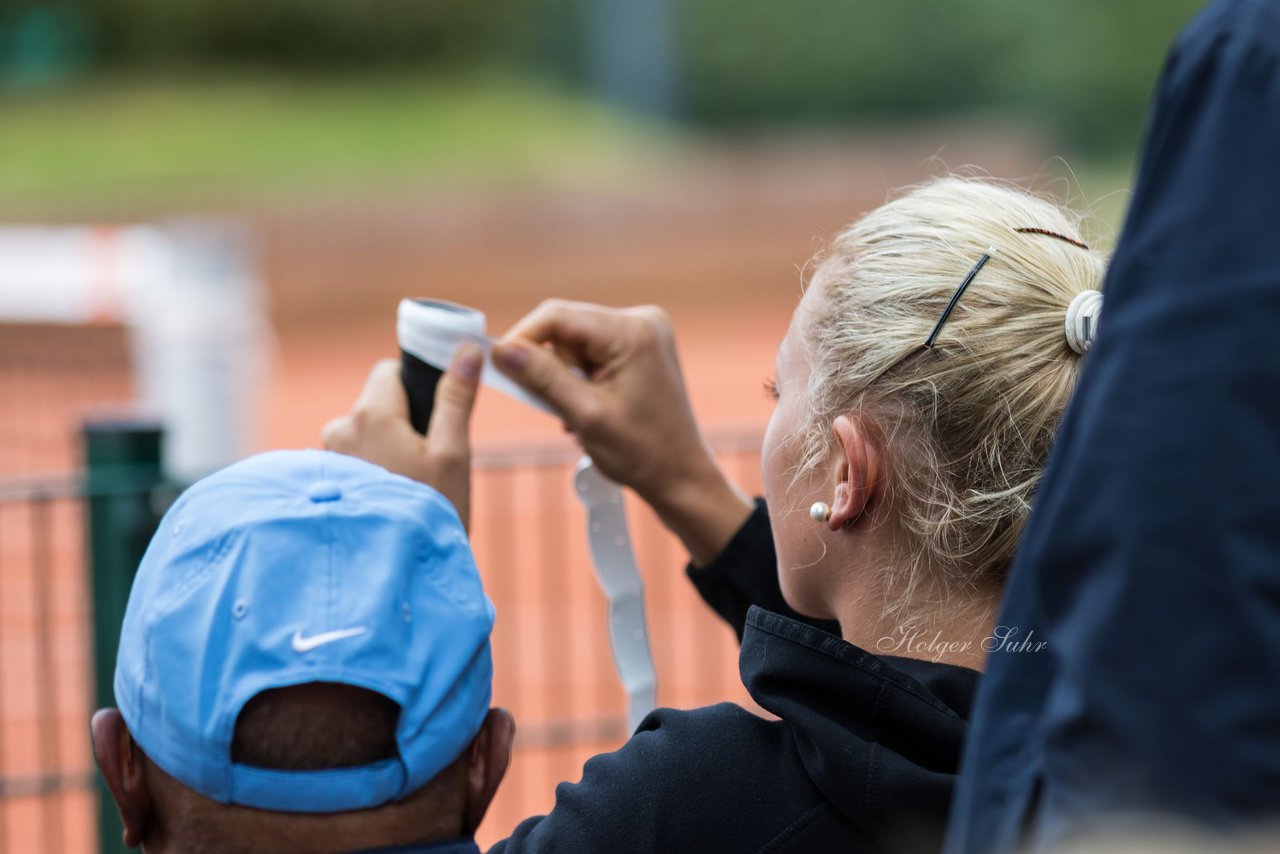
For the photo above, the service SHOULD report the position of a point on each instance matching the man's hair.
(310, 727)
(314, 726)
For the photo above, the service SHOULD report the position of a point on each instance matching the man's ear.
(120, 762)
(490, 755)
(858, 471)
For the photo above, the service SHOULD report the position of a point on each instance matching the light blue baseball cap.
(305, 566)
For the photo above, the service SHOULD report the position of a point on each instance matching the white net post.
(189, 295)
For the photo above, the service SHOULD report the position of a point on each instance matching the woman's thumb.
(448, 432)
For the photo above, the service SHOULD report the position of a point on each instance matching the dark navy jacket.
(1151, 563)
(862, 757)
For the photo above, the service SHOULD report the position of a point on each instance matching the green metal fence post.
(123, 464)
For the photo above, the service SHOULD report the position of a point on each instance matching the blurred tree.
(1085, 66)
(40, 45)
(312, 34)
(825, 59)
(1097, 63)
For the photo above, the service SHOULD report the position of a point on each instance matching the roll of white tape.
(432, 331)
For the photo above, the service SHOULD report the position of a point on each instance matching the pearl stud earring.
(820, 511)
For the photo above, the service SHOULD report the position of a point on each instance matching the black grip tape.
(420, 381)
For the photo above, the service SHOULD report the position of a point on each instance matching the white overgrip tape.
(433, 332)
(619, 578)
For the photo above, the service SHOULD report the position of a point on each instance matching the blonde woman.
(918, 389)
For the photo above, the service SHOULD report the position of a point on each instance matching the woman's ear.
(857, 472)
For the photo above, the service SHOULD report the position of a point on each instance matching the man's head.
(304, 662)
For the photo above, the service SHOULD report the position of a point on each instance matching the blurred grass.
(134, 143)
(132, 146)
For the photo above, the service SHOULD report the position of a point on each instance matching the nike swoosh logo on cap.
(301, 644)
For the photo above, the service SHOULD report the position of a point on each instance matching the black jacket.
(862, 757)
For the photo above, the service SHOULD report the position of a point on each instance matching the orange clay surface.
(719, 243)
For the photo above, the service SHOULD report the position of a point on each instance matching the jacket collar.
(879, 736)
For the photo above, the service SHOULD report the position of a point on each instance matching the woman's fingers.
(377, 427)
(449, 433)
(544, 374)
(592, 332)
(383, 394)
(378, 430)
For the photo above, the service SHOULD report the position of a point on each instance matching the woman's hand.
(628, 407)
(377, 429)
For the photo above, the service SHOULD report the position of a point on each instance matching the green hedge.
(1088, 65)
(1085, 66)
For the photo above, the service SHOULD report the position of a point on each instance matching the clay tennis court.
(719, 242)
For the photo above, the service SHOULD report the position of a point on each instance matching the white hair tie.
(1082, 320)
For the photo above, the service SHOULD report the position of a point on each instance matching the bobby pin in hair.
(1047, 233)
(955, 298)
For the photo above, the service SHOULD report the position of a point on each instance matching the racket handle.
(420, 381)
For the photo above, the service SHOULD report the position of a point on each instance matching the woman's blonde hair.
(968, 423)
